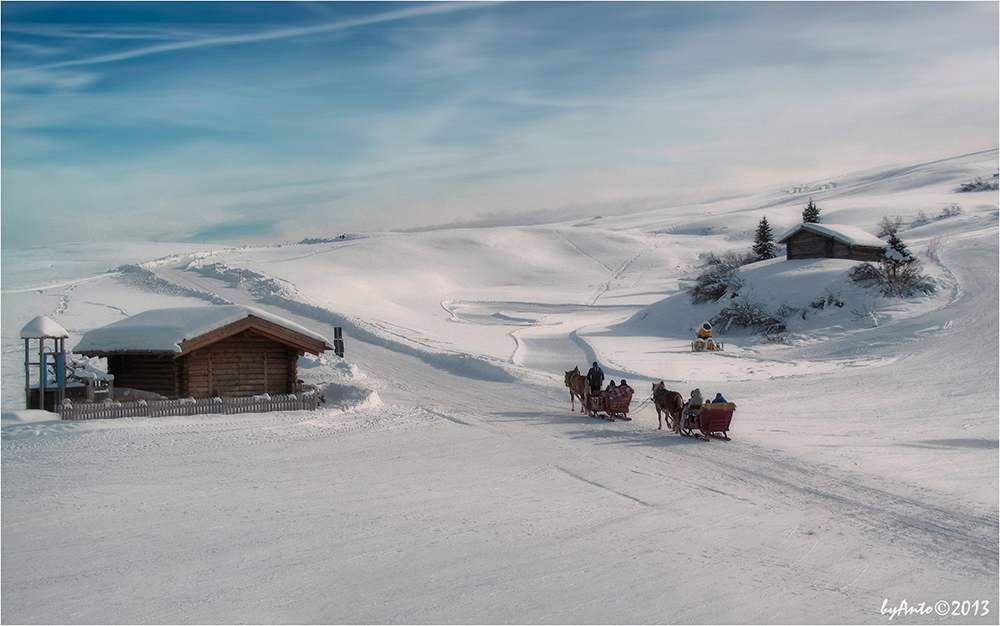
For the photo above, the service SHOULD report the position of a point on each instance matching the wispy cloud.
(342, 117)
(257, 37)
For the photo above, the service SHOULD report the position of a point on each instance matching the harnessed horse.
(579, 387)
(670, 403)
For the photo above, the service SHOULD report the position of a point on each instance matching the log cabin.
(203, 352)
(831, 241)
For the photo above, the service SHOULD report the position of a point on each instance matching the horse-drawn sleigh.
(706, 421)
(711, 420)
(611, 405)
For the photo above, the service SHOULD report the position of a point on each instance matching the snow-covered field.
(447, 480)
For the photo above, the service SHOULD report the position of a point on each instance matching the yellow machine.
(704, 341)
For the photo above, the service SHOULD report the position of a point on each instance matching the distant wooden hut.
(831, 241)
(202, 352)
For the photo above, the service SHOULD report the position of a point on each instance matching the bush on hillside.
(893, 281)
(981, 185)
(922, 217)
(898, 273)
(830, 299)
(742, 313)
(720, 277)
(888, 226)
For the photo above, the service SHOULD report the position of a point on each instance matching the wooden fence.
(307, 400)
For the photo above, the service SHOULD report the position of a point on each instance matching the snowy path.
(363, 517)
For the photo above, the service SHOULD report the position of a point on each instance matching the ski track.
(615, 275)
(949, 536)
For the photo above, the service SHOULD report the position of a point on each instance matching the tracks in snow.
(956, 538)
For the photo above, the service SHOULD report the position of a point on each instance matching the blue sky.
(273, 121)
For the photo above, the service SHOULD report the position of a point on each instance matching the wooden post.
(61, 368)
(338, 341)
(27, 374)
(41, 373)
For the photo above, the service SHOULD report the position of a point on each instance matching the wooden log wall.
(864, 253)
(808, 245)
(243, 365)
(159, 374)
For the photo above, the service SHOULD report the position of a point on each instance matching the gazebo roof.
(43, 328)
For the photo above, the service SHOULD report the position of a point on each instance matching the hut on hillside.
(202, 352)
(831, 241)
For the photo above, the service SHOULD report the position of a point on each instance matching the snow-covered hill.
(447, 479)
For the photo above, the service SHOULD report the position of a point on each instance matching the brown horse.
(578, 388)
(670, 403)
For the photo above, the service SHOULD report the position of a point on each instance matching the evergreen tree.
(896, 255)
(810, 214)
(763, 241)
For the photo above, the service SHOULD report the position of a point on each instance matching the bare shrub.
(869, 312)
(951, 210)
(888, 226)
(742, 313)
(720, 277)
(892, 280)
(831, 299)
(978, 184)
(865, 273)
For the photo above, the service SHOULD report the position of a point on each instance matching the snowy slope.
(447, 479)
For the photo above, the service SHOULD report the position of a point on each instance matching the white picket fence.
(307, 400)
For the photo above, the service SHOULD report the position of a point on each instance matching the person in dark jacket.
(596, 378)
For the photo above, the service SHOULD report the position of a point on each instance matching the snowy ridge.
(267, 290)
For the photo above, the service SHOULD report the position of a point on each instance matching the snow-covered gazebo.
(202, 352)
(51, 389)
(831, 241)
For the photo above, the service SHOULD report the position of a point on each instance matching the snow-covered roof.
(163, 330)
(850, 235)
(42, 327)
